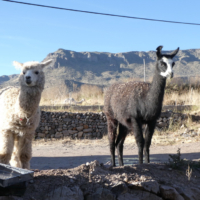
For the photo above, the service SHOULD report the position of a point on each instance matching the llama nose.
(28, 80)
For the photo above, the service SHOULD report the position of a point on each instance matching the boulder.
(151, 186)
(101, 194)
(170, 193)
(63, 193)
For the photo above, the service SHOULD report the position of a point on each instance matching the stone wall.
(73, 125)
(87, 125)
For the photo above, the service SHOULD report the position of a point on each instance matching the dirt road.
(68, 154)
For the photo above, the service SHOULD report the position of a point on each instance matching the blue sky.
(29, 33)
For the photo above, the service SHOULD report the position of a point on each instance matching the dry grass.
(77, 142)
(175, 94)
(93, 95)
(190, 97)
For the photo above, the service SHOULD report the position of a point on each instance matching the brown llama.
(134, 104)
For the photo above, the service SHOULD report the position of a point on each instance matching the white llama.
(20, 114)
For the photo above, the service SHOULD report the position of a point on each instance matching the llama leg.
(6, 146)
(137, 130)
(120, 142)
(26, 152)
(15, 161)
(149, 130)
(112, 129)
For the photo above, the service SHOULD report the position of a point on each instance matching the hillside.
(102, 68)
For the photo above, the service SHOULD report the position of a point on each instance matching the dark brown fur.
(132, 105)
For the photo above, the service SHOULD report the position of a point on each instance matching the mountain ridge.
(104, 68)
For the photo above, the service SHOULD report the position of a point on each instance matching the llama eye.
(36, 72)
(163, 63)
(173, 64)
(24, 72)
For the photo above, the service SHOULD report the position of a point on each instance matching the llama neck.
(29, 99)
(156, 91)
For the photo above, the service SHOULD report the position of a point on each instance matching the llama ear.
(17, 65)
(158, 53)
(174, 52)
(45, 63)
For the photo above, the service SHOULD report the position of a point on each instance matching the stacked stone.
(87, 125)
(73, 125)
(169, 117)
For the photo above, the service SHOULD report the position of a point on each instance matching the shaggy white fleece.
(20, 114)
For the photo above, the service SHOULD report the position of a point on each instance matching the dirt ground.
(63, 154)
(62, 164)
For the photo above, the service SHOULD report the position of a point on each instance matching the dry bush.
(182, 93)
(92, 94)
(54, 95)
(176, 93)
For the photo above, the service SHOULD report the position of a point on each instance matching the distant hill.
(102, 68)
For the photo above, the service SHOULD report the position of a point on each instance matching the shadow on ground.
(71, 162)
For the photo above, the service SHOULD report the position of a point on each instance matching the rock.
(99, 135)
(80, 128)
(80, 134)
(170, 193)
(87, 130)
(58, 135)
(151, 186)
(183, 126)
(135, 185)
(196, 192)
(72, 132)
(164, 119)
(186, 193)
(41, 128)
(85, 126)
(65, 132)
(52, 131)
(10, 198)
(127, 196)
(142, 178)
(31, 181)
(67, 120)
(41, 135)
(108, 165)
(63, 193)
(119, 188)
(165, 114)
(187, 130)
(101, 194)
(139, 195)
(193, 134)
(94, 134)
(88, 135)
(162, 124)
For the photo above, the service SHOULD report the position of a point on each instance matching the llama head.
(165, 62)
(31, 72)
